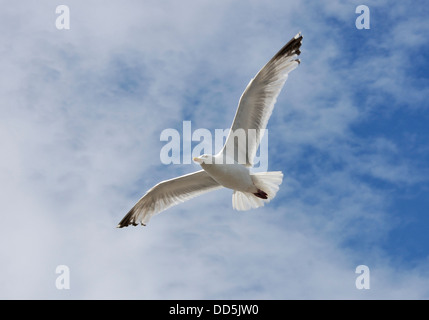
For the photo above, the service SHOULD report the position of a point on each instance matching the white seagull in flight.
(251, 190)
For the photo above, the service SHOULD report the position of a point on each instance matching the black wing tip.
(299, 36)
(290, 48)
(129, 220)
(124, 225)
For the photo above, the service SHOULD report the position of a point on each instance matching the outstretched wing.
(167, 194)
(257, 103)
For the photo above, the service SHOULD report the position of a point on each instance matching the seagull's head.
(205, 158)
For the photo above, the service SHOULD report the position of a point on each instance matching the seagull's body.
(234, 176)
(251, 190)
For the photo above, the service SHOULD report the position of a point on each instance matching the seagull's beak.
(198, 160)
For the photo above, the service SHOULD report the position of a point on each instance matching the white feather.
(167, 194)
(257, 101)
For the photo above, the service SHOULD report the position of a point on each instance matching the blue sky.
(83, 110)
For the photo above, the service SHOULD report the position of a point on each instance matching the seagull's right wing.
(257, 102)
(167, 194)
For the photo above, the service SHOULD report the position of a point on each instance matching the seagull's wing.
(257, 103)
(167, 194)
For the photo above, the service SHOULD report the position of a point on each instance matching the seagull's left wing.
(257, 102)
(167, 194)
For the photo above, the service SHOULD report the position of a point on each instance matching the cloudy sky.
(82, 111)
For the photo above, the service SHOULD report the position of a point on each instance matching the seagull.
(230, 169)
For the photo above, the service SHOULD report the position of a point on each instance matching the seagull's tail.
(268, 185)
